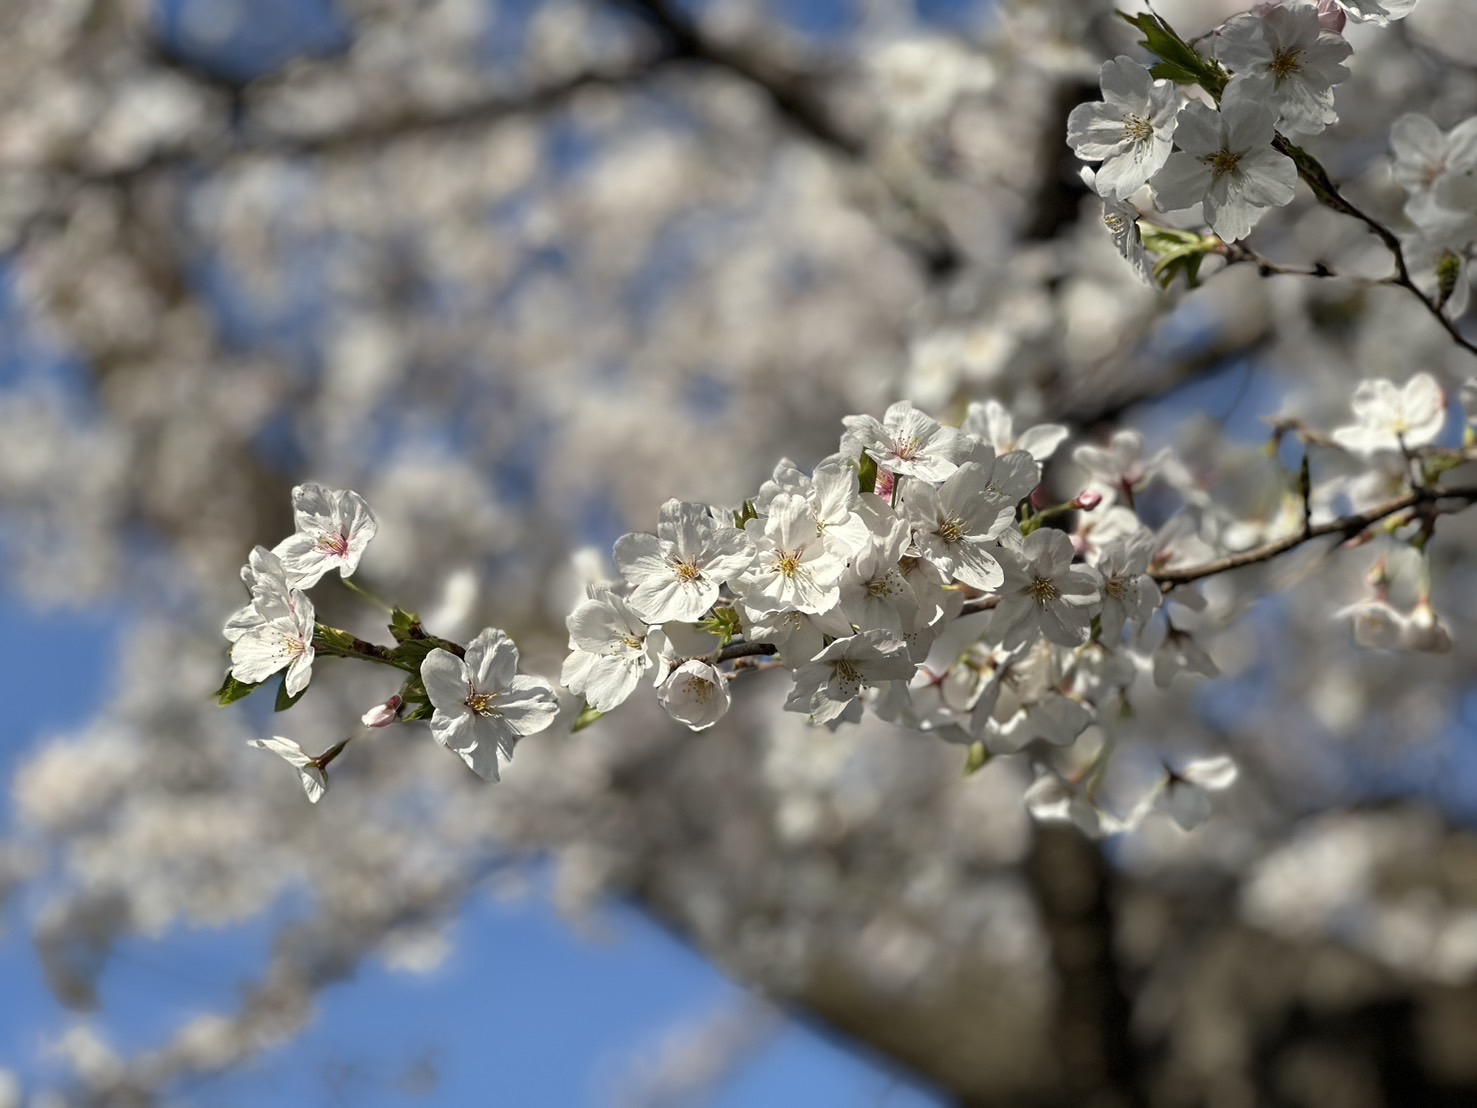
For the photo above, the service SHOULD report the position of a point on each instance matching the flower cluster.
(909, 574)
(1269, 73)
(477, 703)
(1438, 170)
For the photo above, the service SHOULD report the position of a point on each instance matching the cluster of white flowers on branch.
(919, 572)
(1210, 130)
(922, 571)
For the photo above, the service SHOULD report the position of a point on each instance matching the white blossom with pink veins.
(1389, 416)
(333, 528)
(675, 574)
(314, 780)
(483, 704)
(274, 633)
(910, 443)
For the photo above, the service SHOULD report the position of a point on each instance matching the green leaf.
(284, 701)
(405, 625)
(232, 690)
(978, 756)
(866, 471)
(586, 717)
(419, 712)
(742, 517)
(414, 691)
(331, 638)
(1178, 61)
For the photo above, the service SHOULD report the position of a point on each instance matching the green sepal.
(723, 623)
(419, 712)
(284, 701)
(743, 516)
(418, 703)
(587, 716)
(866, 472)
(405, 625)
(232, 690)
(976, 760)
(1178, 252)
(332, 639)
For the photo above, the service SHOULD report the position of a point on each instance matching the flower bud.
(382, 715)
(1087, 501)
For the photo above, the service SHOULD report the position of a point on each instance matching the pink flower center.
(337, 545)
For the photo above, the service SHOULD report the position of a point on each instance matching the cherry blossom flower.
(830, 681)
(676, 573)
(1390, 416)
(955, 526)
(1376, 625)
(874, 592)
(991, 423)
(1130, 130)
(1436, 169)
(1052, 718)
(1053, 799)
(312, 772)
(794, 568)
(1130, 595)
(696, 694)
(611, 647)
(483, 706)
(333, 528)
(1226, 162)
(1378, 12)
(909, 443)
(274, 633)
(1043, 593)
(1119, 471)
(1296, 60)
(1178, 652)
(1184, 795)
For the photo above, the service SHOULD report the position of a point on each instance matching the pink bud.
(1331, 17)
(1087, 501)
(1040, 498)
(382, 715)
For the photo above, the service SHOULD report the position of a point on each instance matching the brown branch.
(1345, 528)
(1317, 179)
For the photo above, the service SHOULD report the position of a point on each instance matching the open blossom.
(273, 633)
(1043, 593)
(310, 771)
(833, 494)
(696, 694)
(1226, 162)
(1130, 595)
(1122, 221)
(874, 592)
(1053, 799)
(909, 443)
(1436, 168)
(1389, 415)
(1130, 130)
(955, 526)
(1296, 60)
(1178, 652)
(991, 423)
(333, 528)
(676, 573)
(1378, 12)
(1120, 469)
(830, 681)
(1184, 795)
(794, 567)
(483, 705)
(611, 647)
